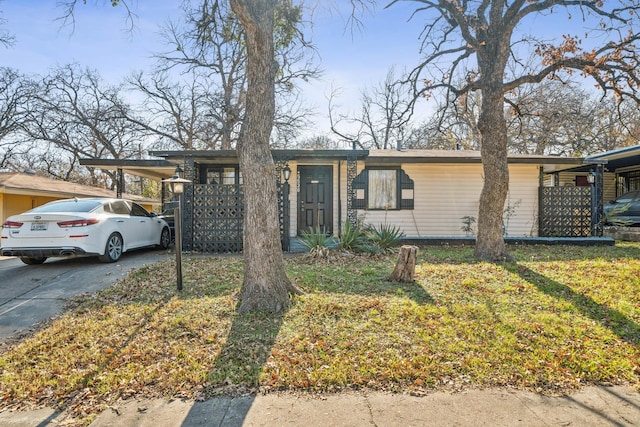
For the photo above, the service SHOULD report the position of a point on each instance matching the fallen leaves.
(556, 319)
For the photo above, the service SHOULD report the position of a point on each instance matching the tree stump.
(406, 265)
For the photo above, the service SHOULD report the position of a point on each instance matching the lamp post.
(286, 172)
(591, 179)
(177, 187)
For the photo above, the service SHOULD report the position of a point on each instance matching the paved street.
(30, 294)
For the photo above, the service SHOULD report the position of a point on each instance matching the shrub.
(383, 237)
(352, 237)
(317, 241)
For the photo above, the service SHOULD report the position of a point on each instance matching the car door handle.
(120, 220)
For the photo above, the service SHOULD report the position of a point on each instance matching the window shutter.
(406, 183)
(360, 183)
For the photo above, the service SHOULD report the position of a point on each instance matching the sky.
(351, 60)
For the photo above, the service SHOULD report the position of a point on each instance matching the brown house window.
(220, 174)
(383, 189)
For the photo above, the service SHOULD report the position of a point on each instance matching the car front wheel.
(33, 261)
(113, 249)
(165, 238)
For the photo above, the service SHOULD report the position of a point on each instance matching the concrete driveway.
(30, 294)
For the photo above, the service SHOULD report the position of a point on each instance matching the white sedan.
(82, 227)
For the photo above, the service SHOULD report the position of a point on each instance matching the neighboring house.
(20, 192)
(426, 193)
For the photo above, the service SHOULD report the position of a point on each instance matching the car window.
(137, 210)
(73, 205)
(628, 198)
(120, 207)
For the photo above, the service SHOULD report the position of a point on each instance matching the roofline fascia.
(477, 160)
(614, 153)
(276, 153)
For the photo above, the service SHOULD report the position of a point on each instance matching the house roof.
(162, 169)
(550, 163)
(462, 156)
(208, 156)
(30, 184)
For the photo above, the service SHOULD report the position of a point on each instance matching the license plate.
(38, 226)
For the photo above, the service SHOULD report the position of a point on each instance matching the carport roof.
(618, 159)
(153, 169)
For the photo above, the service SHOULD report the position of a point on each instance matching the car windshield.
(626, 198)
(68, 206)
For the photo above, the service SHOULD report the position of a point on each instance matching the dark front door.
(315, 199)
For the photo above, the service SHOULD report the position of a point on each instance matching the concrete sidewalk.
(592, 406)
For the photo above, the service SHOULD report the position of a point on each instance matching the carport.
(625, 164)
(156, 170)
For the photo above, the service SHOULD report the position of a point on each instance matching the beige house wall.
(13, 204)
(444, 194)
(609, 179)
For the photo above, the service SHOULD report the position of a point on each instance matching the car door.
(146, 226)
(634, 208)
(126, 223)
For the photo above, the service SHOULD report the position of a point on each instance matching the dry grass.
(555, 319)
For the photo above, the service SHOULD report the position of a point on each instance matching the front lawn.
(555, 319)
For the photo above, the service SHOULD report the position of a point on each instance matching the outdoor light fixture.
(177, 187)
(175, 182)
(591, 178)
(286, 172)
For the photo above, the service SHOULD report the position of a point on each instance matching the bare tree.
(384, 119)
(450, 127)
(477, 40)
(68, 8)
(13, 91)
(210, 43)
(75, 112)
(6, 39)
(180, 115)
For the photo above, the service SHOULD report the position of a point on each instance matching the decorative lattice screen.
(218, 212)
(565, 212)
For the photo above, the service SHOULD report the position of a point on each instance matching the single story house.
(20, 192)
(426, 193)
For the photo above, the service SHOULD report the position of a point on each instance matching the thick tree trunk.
(490, 245)
(266, 286)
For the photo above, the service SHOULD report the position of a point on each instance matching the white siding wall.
(444, 193)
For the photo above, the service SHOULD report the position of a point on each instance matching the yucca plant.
(317, 241)
(352, 237)
(384, 237)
